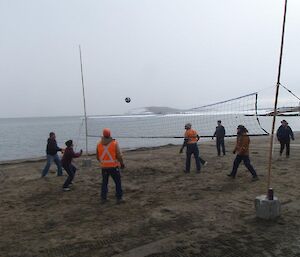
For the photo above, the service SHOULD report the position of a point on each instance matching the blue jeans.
(71, 170)
(116, 176)
(50, 159)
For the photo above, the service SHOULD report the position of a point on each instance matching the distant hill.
(285, 111)
(155, 110)
(281, 111)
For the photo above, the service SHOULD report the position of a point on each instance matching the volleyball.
(127, 99)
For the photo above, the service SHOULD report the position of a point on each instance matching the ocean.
(26, 138)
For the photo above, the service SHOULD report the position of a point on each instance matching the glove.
(180, 151)
(80, 151)
(233, 151)
(122, 166)
(212, 138)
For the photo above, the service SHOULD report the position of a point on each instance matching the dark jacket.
(68, 156)
(52, 147)
(284, 133)
(220, 132)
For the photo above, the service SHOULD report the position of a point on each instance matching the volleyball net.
(157, 123)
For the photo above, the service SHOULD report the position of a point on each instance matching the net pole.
(84, 105)
(276, 98)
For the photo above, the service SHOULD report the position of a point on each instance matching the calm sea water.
(24, 138)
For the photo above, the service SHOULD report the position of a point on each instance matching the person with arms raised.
(66, 161)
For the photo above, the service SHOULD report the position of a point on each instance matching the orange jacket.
(242, 144)
(108, 154)
(191, 136)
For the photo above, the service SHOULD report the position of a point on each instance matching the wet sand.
(166, 213)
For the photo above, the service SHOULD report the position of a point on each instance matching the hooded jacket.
(242, 144)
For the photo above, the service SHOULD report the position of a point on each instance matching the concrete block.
(86, 163)
(267, 209)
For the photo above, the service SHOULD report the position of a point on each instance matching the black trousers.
(285, 144)
(246, 160)
(220, 144)
(192, 149)
(116, 176)
(71, 170)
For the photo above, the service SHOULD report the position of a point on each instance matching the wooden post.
(84, 105)
(276, 98)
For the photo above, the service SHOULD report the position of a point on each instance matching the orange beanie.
(106, 132)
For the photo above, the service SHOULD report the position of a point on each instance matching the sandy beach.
(166, 213)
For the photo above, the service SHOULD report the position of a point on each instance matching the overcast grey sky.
(174, 53)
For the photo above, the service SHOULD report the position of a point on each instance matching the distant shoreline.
(43, 158)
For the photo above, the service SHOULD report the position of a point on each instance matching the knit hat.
(188, 126)
(106, 132)
(242, 128)
(69, 143)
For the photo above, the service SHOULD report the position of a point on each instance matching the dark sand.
(167, 212)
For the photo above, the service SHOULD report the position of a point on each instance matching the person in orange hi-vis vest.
(110, 158)
(191, 138)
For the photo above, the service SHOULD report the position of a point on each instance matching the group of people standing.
(191, 137)
(109, 155)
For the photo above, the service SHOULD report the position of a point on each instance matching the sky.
(176, 53)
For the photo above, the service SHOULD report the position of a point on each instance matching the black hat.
(69, 143)
(242, 128)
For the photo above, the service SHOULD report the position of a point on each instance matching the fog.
(179, 54)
